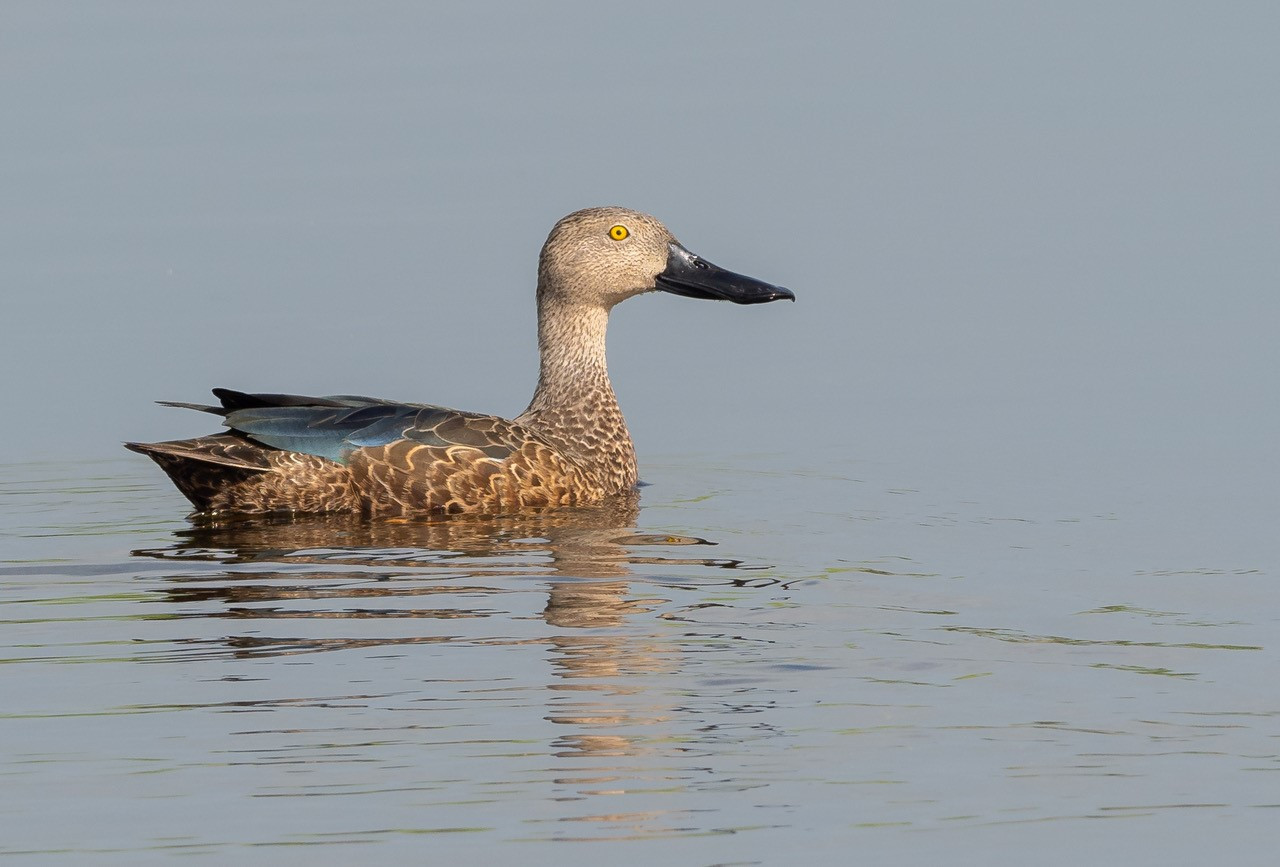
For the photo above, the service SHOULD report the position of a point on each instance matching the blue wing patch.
(324, 431)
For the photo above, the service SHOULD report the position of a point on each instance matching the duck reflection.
(457, 557)
(605, 642)
(602, 600)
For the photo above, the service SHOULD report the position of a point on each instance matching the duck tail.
(202, 467)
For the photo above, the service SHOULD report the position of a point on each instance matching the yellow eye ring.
(618, 233)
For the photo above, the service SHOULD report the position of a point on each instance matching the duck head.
(600, 256)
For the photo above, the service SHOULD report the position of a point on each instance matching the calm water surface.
(694, 678)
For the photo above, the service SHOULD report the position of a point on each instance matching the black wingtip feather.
(199, 407)
(233, 400)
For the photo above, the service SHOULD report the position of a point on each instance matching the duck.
(287, 453)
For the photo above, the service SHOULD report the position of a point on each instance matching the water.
(684, 679)
(969, 555)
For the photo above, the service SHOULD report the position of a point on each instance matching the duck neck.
(574, 406)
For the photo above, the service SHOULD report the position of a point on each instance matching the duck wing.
(335, 427)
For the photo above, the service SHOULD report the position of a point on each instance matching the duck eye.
(617, 233)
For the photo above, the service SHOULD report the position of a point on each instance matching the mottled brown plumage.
(286, 453)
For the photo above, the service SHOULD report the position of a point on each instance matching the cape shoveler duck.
(288, 453)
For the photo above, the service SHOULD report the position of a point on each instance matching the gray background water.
(1002, 481)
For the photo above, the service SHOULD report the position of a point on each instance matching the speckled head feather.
(584, 261)
(288, 453)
